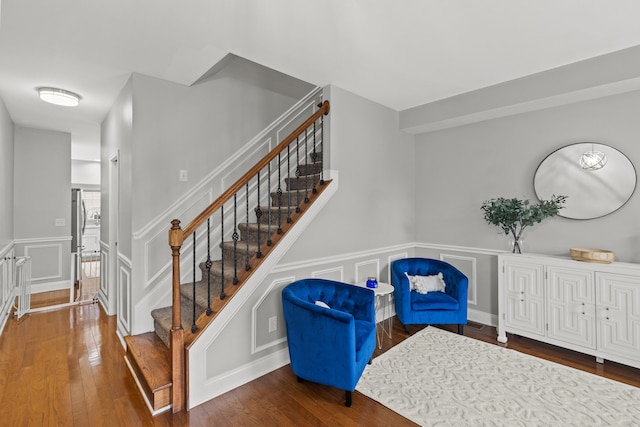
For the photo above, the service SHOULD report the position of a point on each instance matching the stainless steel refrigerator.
(78, 224)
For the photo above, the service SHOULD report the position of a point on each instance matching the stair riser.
(162, 333)
(186, 304)
(252, 234)
(302, 183)
(237, 254)
(289, 198)
(310, 168)
(216, 271)
(278, 216)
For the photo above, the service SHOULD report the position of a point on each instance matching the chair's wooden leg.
(300, 380)
(460, 329)
(347, 401)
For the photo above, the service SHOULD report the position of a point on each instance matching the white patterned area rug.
(440, 378)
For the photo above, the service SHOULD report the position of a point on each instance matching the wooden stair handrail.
(215, 205)
(176, 239)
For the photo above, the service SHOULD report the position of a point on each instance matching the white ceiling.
(398, 53)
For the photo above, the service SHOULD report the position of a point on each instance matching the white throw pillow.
(424, 284)
(322, 304)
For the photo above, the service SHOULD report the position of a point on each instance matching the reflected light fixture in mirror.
(57, 96)
(590, 193)
(593, 160)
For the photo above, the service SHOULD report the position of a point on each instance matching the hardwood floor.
(47, 299)
(66, 368)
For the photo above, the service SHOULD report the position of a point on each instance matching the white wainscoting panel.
(260, 316)
(124, 295)
(46, 261)
(334, 273)
(467, 265)
(368, 268)
(390, 260)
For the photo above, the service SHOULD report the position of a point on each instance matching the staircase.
(149, 355)
(252, 232)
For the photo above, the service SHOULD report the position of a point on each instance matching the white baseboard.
(50, 286)
(482, 317)
(242, 375)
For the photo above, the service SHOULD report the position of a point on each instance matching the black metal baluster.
(297, 173)
(279, 192)
(193, 324)
(222, 294)
(315, 159)
(306, 165)
(258, 215)
(269, 205)
(322, 149)
(208, 264)
(235, 236)
(247, 266)
(288, 185)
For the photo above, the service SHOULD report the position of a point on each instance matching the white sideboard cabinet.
(587, 307)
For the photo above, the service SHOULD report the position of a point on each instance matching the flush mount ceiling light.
(59, 96)
(593, 160)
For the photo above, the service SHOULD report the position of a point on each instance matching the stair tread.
(152, 358)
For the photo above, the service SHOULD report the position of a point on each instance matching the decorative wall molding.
(328, 274)
(392, 258)
(255, 321)
(473, 288)
(453, 248)
(280, 268)
(42, 240)
(7, 285)
(375, 262)
(124, 298)
(160, 235)
(37, 288)
(124, 260)
(202, 388)
(229, 164)
(482, 317)
(241, 375)
(148, 240)
(103, 295)
(29, 250)
(7, 248)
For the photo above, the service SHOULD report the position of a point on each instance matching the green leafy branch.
(513, 216)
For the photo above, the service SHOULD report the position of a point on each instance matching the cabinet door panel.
(571, 306)
(618, 300)
(524, 297)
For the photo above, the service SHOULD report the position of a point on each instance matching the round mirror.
(597, 179)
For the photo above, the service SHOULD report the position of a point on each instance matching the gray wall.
(116, 137)
(197, 128)
(6, 176)
(374, 206)
(354, 234)
(457, 169)
(42, 185)
(162, 127)
(159, 128)
(38, 200)
(499, 158)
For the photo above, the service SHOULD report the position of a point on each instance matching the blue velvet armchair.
(432, 308)
(330, 346)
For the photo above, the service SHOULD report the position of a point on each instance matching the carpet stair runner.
(148, 354)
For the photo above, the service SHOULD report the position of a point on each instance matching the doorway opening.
(86, 244)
